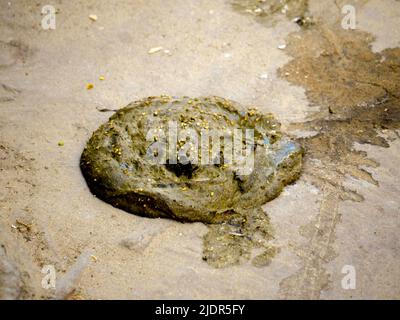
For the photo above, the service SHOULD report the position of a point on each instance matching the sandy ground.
(49, 217)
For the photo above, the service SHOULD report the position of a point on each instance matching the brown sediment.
(358, 92)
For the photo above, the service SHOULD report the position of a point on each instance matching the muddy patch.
(358, 92)
(268, 11)
(12, 52)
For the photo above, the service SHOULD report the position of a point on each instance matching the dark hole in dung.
(180, 169)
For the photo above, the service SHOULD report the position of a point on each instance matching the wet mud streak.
(308, 282)
(358, 92)
(8, 93)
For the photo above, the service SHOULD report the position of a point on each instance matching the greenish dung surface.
(117, 168)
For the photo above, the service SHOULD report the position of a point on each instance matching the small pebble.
(155, 49)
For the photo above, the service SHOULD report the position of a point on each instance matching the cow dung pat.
(196, 159)
(118, 169)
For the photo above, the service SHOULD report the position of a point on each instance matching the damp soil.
(268, 11)
(119, 166)
(358, 92)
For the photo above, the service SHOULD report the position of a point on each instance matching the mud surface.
(267, 12)
(49, 216)
(163, 157)
(10, 279)
(358, 92)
